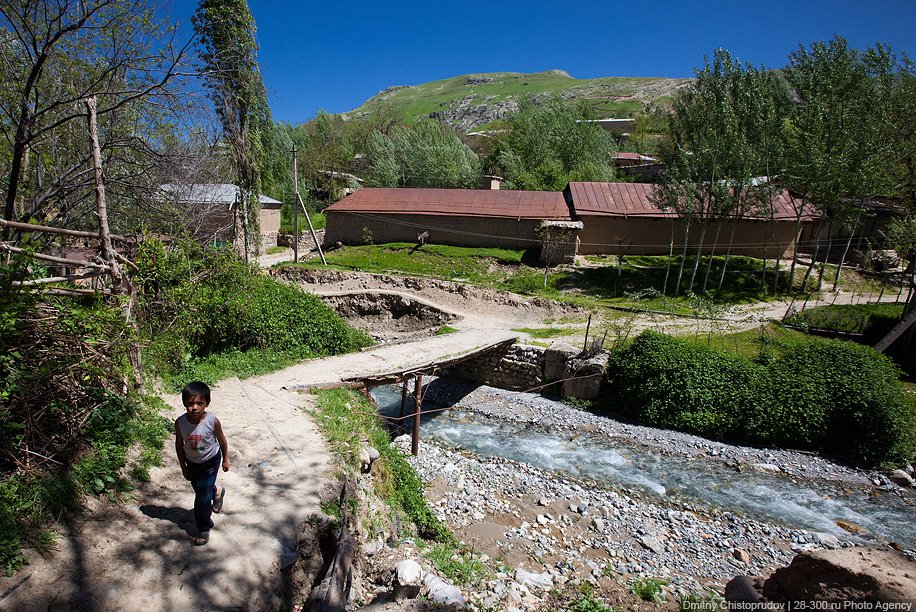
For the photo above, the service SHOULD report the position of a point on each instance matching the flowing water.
(760, 495)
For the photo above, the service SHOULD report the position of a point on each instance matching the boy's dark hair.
(195, 389)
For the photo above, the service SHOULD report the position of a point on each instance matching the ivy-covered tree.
(427, 154)
(546, 146)
(225, 32)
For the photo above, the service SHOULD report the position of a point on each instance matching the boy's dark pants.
(203, 478)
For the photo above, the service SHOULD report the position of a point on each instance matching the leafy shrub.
(203, 301)
(866, 415)
(667, 382)
(839, 398)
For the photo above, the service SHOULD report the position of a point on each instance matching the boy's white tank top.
(199, 440)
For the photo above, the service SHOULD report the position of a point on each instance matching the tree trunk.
(108, 253)
(728, 252)
(820, 272)
(852, 233)
(670, 256)
(712, 255)
(696, 262)
(795, 252)
(680, 272)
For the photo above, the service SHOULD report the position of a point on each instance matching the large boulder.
(849, 574)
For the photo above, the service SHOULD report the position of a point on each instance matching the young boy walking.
(201, 446)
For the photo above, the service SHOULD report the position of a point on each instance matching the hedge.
(837, 398)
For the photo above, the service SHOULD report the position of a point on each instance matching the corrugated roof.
(208, 193)
(456, 202)
(634, 200)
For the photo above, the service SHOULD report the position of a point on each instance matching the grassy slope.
(610, 96)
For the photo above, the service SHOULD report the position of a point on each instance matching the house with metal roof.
(616, 218)
(459, 217)
(621, 218)
(212, 211)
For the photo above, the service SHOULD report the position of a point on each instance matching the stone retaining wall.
(517, 368)
(523, 368)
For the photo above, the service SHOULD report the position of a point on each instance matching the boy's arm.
(179, 451)
(223, 444)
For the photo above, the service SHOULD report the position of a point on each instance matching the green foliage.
(346, 419)
(427, 154)
(588, 601)
(445, 329)
(200, 302)
(872, 320)
(225, 31)
(649, 589)
(838, 398)
(545, 147)
(670, 383)
(460, 565)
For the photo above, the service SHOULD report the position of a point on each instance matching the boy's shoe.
(218, 496)
(202, 538)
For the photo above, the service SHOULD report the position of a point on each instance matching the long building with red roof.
(617, 218)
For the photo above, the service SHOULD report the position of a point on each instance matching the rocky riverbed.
(558, 526)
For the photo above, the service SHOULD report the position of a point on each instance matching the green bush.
(864, 414)
(670, 383)
(203, 301)
(837, 398)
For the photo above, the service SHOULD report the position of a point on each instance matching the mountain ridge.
(474, 100)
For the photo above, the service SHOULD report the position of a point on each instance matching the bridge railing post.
(417, 396)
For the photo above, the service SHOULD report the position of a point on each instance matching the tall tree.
(225, 31)
(720, 130)
(837, 137)
(427, 154)
(52, 56)
(546, 146)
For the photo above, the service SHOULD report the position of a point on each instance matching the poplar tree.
(225, 30)
(838, 137)
(721, 133)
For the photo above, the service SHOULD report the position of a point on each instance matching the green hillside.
(471, 101)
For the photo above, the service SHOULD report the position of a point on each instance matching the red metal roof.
(456, 202)
(633, 200)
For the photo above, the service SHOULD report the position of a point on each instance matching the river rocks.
(851, 574)
(531, 579)
(408, 579)
(440, 592)
(901, 478)
(600, 532)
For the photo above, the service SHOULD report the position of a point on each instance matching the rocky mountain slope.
(472, 101)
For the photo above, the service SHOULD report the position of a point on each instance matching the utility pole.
(295, 209)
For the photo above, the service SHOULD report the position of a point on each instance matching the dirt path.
(138, 555)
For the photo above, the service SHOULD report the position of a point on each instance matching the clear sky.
(335, 55)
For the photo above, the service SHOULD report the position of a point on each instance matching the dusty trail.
(138, 555)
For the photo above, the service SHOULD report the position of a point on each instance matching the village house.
(620, 218)
(459, 217)
(212, 212)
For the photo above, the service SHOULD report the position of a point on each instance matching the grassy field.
(636, 284)
(609, 97)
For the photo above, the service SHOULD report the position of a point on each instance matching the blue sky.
(335, 55)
